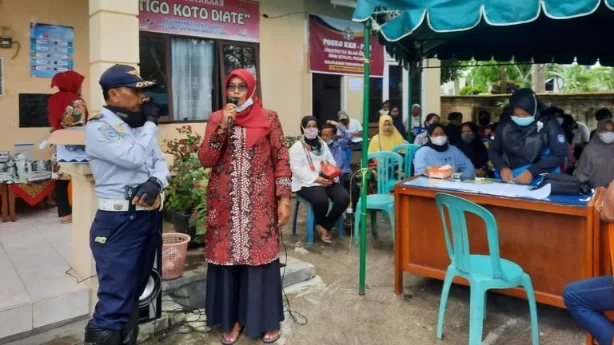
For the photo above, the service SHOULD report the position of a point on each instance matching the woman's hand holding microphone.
(229, 112)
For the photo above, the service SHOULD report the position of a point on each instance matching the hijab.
(314, 144)
(526, 100)
(438, 148)
(383, 142)
(253, 118)
(597, 161)
(68, 83)
(475, 149)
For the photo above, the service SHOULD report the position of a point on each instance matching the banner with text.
(235, 20)
(336, 46)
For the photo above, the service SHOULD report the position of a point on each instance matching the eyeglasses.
(232, 87)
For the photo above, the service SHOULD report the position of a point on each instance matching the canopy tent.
(538, 31)
(544, 31)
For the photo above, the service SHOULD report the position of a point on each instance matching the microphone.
(235, 101)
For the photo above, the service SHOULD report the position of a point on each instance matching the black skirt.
(251, 295)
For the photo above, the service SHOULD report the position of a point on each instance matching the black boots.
(130, 333)
(97, 336)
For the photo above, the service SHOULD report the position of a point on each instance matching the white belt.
(124, 205)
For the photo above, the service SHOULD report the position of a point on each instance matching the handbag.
(565, 184)
(327, 170)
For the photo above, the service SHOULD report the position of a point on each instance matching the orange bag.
(69, 191)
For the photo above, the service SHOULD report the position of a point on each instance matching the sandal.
(271, 341)
(236, 339)
(324, 238)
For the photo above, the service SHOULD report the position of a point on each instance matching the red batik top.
(243, 192)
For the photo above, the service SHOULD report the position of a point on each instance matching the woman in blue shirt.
(437, 152)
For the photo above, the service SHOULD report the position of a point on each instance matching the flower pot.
(181, 221)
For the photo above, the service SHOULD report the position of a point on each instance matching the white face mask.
(245, 105)
(440, 141)
(248, 103)
(607, 137)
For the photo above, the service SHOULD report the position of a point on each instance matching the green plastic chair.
(410, 151)
(483, 272)
(388, 164)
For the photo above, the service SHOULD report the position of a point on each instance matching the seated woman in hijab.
(306, 156)
(530, 143)
(473, 147)
(388, 136)
(596, 164)
(437, 152)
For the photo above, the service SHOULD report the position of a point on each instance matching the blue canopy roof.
(523, 30)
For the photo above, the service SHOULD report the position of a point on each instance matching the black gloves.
(149, 190)
(151, 110)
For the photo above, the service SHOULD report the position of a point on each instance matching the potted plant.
(186, 192)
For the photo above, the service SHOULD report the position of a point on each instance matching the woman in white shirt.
(306, 156)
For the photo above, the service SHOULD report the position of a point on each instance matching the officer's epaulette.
(96, 116)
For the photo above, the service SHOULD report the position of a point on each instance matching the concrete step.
(36, 293)
(188, 290)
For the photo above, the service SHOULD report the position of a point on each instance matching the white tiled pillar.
(431, 87)
(114, 39)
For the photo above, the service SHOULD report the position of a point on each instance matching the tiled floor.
(35, 290)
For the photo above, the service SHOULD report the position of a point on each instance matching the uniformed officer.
(130, 172)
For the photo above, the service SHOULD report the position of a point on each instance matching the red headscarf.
(252, 118)
(69, 84)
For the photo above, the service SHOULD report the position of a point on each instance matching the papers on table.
(498, 189)
(488, 186)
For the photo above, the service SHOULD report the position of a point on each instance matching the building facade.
(187, 47)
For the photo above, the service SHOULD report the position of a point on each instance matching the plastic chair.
(410, 152)
(387, 163)
(483, 272)
(311, 221)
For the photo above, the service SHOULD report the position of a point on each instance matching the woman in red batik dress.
(248, 200)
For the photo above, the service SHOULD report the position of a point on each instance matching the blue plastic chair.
(483, 272)
(311, 221)
(410, 151)
(387, 175)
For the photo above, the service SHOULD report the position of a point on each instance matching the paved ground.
(338, 315)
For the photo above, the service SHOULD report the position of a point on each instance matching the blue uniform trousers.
(124, 245)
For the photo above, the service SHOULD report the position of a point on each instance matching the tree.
(493, 74)
(451, 70)
(578, 78)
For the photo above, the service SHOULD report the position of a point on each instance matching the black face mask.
(484, 121)
(134, 119)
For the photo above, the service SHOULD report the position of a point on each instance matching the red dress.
(243, 193)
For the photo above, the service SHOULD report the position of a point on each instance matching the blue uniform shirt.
(427, 157)
(121, 156)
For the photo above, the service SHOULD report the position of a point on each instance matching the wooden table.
(31, 193)
(4, 202)
(553, 242)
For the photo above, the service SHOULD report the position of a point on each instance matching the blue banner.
(51, 49)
